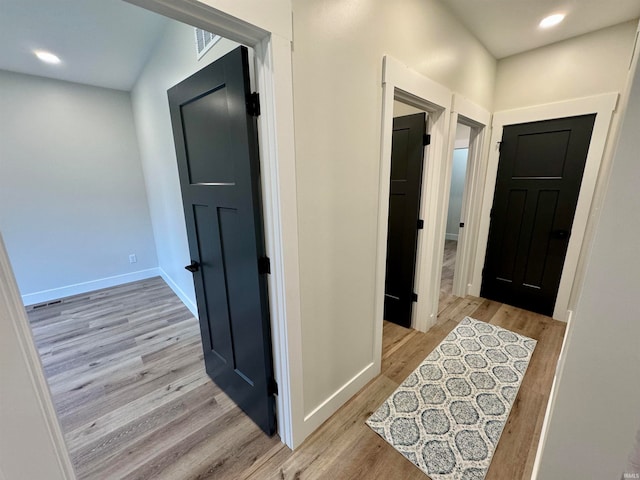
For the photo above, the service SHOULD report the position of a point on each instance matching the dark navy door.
(539, 176)
(407, 153)
(215, 133)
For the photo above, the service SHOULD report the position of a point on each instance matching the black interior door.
(407, 154)
(216, 143)
(539, 176)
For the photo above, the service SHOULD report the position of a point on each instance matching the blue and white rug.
(448, 415)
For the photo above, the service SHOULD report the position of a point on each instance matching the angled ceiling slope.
(107, 42)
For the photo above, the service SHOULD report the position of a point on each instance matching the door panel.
(407, 154)
(196, 118)
(539, 247)
(538, 183)
(216, 146)
(513, 223)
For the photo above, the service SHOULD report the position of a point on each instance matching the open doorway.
(407, 92)
(119, 350)
(403, 87)
(160, 178)
(455, 215)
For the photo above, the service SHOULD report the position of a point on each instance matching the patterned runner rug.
(448, 415)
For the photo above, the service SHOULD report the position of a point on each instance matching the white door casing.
(401, 83)
(603, 106)
(478, 119)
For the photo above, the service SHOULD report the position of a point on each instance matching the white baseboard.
(451, 236)
(188, 302)
(84, 287)
(327, 408)
(552, 398)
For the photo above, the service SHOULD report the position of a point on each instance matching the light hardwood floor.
(124, 366)
(446, 297)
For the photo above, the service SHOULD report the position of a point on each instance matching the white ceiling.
(100, 42)
(507, 27)
(107, 42)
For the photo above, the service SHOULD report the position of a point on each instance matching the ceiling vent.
(204, 41)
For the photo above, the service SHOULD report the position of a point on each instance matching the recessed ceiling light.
(47, 57)
(552, 20)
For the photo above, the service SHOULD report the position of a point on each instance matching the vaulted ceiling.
(507, 27)
(107, 42)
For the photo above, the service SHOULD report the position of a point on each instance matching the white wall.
(173, 60)
(401, 109)
(586, 65)
(337, 61)
(273, 16)
(72, 198)
(458, 176)
(596, 413)
(31, 442)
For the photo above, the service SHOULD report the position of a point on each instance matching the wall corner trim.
(188, 301)
(322, 412)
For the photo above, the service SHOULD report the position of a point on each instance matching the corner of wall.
(186, 299)
(322, 412)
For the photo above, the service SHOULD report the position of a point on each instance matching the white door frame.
(272, 46)
(478, 119)
(400, 82)
(277, 152)
(277, 159)
(603, 106)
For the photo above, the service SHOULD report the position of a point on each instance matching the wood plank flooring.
(125, 369)
(446, 297)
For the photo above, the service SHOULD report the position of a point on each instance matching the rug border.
(511, 403)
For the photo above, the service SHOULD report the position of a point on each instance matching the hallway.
(125, 369)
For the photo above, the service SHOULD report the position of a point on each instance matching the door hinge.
(500, 146)
(253, 104)
(461, 224)
(272, 387)
(414, 297)
(420, 224)
(426, 139)
(264, 265)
